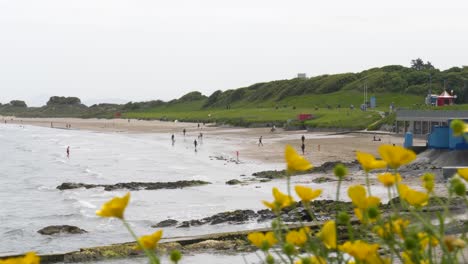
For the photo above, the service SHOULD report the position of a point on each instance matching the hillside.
(327, 97)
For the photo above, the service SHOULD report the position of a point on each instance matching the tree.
(418, 64)
(18, 103)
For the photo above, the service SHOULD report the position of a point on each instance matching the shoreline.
(320, 147)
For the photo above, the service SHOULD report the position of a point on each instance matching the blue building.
(433, 125)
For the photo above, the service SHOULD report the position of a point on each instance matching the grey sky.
(143, 50)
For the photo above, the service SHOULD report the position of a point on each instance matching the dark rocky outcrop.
(134, 186)
(57, 229)
(231, 217)
(322, 210)
(233, 182)
(166, 223)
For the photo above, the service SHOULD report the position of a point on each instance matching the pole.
(430, 84)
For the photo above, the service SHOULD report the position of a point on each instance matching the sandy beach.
(320, 146)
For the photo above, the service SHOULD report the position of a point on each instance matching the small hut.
(445, 99)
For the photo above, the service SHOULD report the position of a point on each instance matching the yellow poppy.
(261, 240)
(297, 238)
(425, 240)
(360, 249)
(150, 241)
(463, 173)
(294, 161)
(358, 196)
(413, 197)
(395, 156)
(307, 194)
(368, 161)
(328, 234)
(114, 207)
(363, 203)
(397, 227)
(281, 200)
(29, 258)
(389, 179)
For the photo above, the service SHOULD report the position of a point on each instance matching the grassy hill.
(327, 97)
(324, 108)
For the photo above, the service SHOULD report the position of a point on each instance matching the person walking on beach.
(68, 152)
(195, 143)
(303, 139)
(260, 143)
(173, 139)
(184, 131)
(303, 148)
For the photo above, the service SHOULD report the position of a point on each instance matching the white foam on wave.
(86, 204)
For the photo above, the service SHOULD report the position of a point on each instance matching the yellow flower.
(328, 234)
(389, 179)
(261, 240)
(312, 260)
(413, 197)
(29, 258)
(428, 181)
(395, 156)
(150, 241)
(297, 238)
(360, 250)
(281, 200)
(115, 207)
(294, 161)
(425, 239)
(452, 242)
(358, 196)
(463, 173)
(368, 161)
(459, 127)
(307, 194)
(397, 227)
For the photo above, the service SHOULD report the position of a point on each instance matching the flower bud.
(340, 171)
(460, 189)
(343, 218)
(175, 256)
(270, 259)
(289, 249)
(373, 212)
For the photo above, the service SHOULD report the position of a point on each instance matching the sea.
(33, 162)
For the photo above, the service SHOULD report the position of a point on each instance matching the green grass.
(244, 113)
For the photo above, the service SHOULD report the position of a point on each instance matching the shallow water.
(33, 162)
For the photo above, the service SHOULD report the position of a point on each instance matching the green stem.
(368, 183)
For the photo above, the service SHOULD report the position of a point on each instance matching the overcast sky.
(135, 50)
